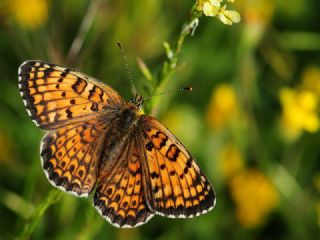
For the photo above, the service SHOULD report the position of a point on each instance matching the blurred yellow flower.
(223, 106)
(256, 15)
(256, 11)
(298, 112)
(213, 8)
(254, 196)
(29, 14)
(230, 161)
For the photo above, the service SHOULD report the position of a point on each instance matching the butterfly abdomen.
(116, 138)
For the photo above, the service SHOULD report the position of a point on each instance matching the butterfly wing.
(176, 186)
(55, 96)
(70, 156)
(120, 196)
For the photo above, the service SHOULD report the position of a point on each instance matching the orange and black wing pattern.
(55, 96)
(120, 196)
(70, 156)
(176, 186)
(96, 139)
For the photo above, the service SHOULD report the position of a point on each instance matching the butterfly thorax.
(127, 117)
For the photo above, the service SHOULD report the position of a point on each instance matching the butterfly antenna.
(169, 91)
(125, 61)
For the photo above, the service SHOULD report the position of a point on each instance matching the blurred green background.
(252, 121)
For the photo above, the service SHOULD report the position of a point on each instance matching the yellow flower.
(256, 16)
(256, 12)
(223, 106)
(298, 112)
(29, 14)
(213, 8)
(230, 160)
(228, 16)
(254, 196)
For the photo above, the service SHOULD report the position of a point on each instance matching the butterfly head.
(137, 100)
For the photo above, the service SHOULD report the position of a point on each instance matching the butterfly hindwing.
(120, 196)
(70, 156)
(55, 96)
(176, 185)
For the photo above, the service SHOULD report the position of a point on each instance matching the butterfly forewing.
(177, 187)
(55, 96)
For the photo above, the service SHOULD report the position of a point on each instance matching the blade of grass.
(52, 197)
(83, 30)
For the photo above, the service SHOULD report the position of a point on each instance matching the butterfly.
(97, 142)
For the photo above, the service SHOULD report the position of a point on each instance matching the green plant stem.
(53, 197)
(172, 61)
(169, 66)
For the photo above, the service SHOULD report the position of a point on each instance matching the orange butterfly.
(95, 138)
